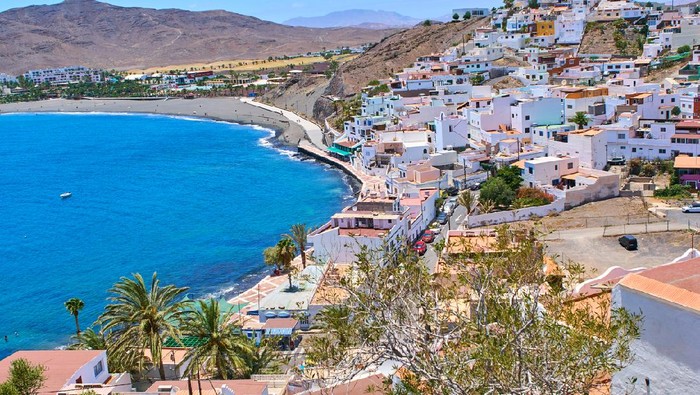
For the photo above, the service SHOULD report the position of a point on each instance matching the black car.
(442, 218)
(629, 242)
(452, 191)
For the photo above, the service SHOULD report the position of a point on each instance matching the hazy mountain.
(364, 18)
(95, 34)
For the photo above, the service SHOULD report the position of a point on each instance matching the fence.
(502, 217)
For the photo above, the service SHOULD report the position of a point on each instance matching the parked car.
(449, 208)
(475, 187)
(452, 191)
(442, 218)
(420, 247)
(617, 161)
(428, 236)
(692, 208)
(629, 242)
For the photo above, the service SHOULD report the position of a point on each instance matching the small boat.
(66, 195)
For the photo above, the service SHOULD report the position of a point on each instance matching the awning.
(338, 151)
(279, 331)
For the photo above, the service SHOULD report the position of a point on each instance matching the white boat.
(66, 195)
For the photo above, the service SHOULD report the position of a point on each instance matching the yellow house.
(544, 28)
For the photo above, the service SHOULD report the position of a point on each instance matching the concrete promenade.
(313, 132)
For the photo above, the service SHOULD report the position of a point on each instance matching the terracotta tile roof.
(60, 365)
(372, 385)
(280, 323)
(690, 124)
(677, 283)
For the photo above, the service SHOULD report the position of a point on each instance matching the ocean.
(196, 201)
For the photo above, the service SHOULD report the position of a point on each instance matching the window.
(97, 369)
(570, 165)
(527, 130)
(663, 129)
(634, 149)
(527, 117)
(529, 170)
(662, 151)
(569, 106)
(541, 134)
(621, 136)
(623, 147)
(556, 167)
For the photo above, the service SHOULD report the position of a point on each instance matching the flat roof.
(686, 162)
(283, 299)
(244, 387)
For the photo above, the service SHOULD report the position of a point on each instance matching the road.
(689, 220)
(313, 131)
(430, 258)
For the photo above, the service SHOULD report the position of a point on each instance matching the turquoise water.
(194, 200)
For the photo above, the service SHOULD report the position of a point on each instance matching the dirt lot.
(615, 211)
(599, 253)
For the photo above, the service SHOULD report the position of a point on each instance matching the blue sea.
(196, 201)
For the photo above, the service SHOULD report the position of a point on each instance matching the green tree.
(580, 119)
(299, 234)
(511, 175)
(649, 5)
(497, 191)
(467, 15)
(141, 317)
(683, 49)
(676, 111)
(222, 350)
(534, 4)
(24, 378)
(510, 333)
(455, 17)
(74, 305)
(427, 22)
(119, 360)
(477, 79)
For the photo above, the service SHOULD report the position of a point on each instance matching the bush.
(648, 170)
(683, 49)
(532, 197)
(676, 191)
(635, 165)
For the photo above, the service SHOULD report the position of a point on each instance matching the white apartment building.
(6, 78)
(535, 75)
(536, 112)
(588, 145)
(64, 75)
(380, 224)
(451, 132)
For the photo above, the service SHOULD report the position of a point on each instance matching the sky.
(281, 10)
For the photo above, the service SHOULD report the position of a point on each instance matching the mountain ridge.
(97, 34)
(355, 17)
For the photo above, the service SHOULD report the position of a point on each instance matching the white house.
(536, 112)
(588, 145)
(71, 371)
(666, 359)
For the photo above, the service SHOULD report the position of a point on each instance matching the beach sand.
(228, 109)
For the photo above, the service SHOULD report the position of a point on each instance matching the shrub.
(532, 197)
(648, 170)
(676, 191)
(635, 165)
(683, 49)
(496, 190)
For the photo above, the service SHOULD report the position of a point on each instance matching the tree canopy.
(491, 322)
(24, 379)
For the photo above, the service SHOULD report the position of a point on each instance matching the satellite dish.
(564, 82)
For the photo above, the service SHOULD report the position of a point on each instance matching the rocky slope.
(398, 51)
(96, 34)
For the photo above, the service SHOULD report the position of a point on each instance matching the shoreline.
(227, 109)
(287, 133)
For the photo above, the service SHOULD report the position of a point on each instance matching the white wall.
(502, 217)
(667, 350)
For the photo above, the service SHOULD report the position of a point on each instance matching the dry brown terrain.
(599, 39)
(96, 34)
(398, 51)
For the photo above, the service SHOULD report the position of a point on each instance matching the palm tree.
(299, 234)
(467, 200)
(141, 317)
(286, 251)
(222, 350)
(580, 119)
(74, 305)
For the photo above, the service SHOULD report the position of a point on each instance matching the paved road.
(313, 131)
(676, 216)
(430, 258)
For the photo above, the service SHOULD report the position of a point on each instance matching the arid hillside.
(95, 34)
(398, 51)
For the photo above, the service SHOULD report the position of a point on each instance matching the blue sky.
(280, 10)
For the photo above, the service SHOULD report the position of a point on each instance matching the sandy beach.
(228, 109)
